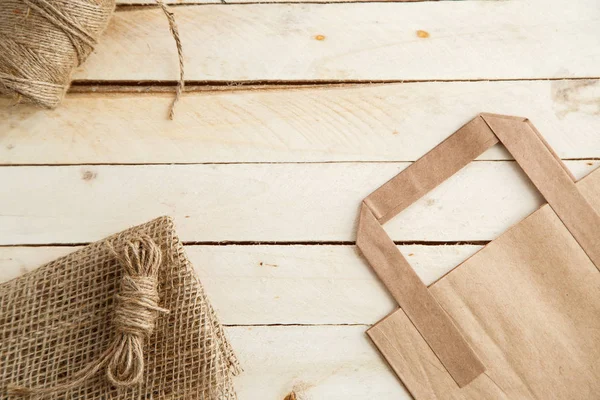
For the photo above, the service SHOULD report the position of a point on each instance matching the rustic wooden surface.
(295, 112)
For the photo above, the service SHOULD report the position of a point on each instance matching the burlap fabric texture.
(63, 318)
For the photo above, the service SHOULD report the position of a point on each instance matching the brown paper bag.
(521, 318)
(122, 318)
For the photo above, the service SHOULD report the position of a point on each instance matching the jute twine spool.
(43, 41)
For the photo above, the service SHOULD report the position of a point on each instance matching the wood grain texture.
(393, 122)
(282, 284)
(317, 362)
(256, 202)
(359, 41)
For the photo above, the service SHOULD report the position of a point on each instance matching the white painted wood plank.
(282, 284)
(359, 41)
(394, 122)
(317, 362)
(255, 202)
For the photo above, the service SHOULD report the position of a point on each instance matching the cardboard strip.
(549, 177)
(541, 138)
(433, 168)
(538, 161)
(419, 305)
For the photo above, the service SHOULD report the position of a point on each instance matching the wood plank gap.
(191, 86)
(9, 165)
(138, 6)
(292, 325)
(273, 243)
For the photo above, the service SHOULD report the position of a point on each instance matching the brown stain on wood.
(422, 34)
(88, 175)
(268, 265)
(578, 96)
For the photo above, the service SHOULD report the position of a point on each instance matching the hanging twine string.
(175, 33)
(135, 312)
(43, 41)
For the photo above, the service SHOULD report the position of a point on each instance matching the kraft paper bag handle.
(539, 162)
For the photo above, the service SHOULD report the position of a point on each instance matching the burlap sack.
(521, 318)
(90, 325)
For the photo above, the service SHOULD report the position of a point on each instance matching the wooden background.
(294, 112)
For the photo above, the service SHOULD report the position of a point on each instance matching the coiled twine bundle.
(43, 41)
(135, 312)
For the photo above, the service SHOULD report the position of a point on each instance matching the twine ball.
(43, 41)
